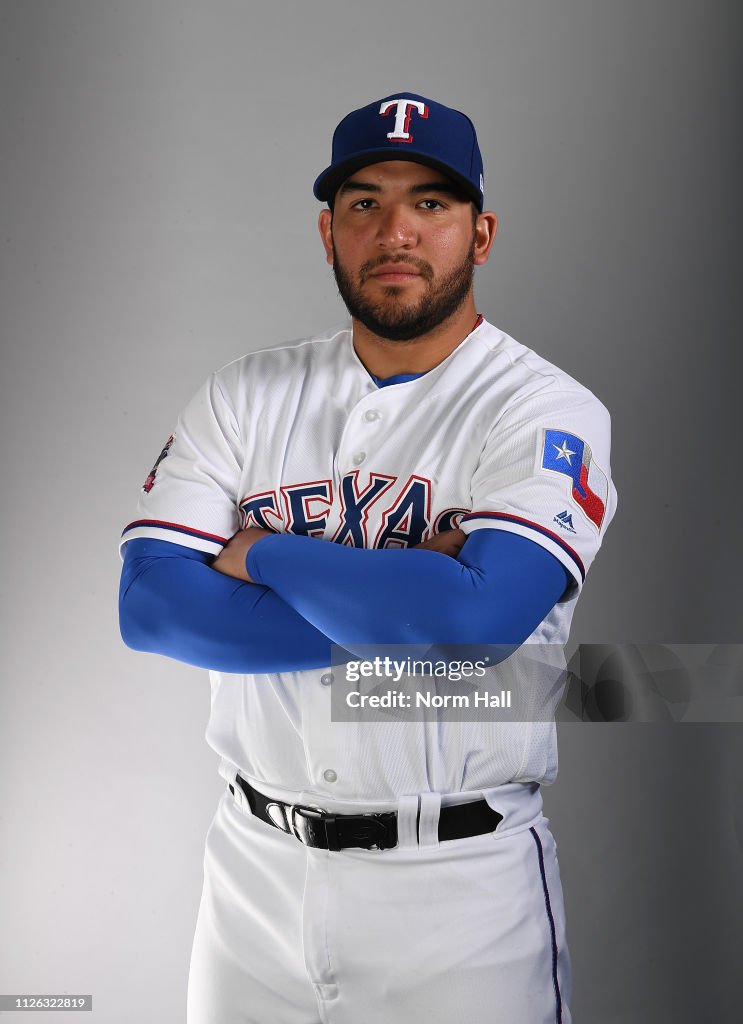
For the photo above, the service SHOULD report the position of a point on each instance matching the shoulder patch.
(571, 456)
(149, 482)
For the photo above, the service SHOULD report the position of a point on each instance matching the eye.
(362, 204)
(431, 204)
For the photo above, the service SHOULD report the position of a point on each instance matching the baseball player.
(412, 476)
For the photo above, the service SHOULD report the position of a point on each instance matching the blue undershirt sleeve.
(171, 602)
(317, 593)
(497, 591)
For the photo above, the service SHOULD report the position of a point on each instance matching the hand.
(450, 542)
(231, 559)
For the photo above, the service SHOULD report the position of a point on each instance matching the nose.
(396, 228)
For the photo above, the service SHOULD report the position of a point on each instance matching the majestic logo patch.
(567, 454)
(148, 484)
(565, 520)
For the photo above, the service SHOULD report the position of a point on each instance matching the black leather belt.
(316, 827)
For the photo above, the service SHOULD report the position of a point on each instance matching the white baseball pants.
(461, 932)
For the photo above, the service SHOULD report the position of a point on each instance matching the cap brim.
(331, 179)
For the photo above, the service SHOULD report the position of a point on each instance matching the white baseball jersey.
(300, 439)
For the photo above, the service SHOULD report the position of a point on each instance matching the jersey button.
(370, 415)
(327, 679)
(329, 775)
(359, 458)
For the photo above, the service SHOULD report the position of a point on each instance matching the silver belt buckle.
(308, 810)
(278, 816)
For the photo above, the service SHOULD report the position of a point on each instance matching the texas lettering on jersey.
(403, 512)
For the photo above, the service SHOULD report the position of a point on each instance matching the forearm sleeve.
(171, 602)
(496, 592)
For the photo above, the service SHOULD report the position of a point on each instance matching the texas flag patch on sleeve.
(567, 454)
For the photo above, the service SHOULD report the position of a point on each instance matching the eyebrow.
(427, 186)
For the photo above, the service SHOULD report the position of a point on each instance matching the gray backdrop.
(157, 222)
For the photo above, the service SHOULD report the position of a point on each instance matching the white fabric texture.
(458, 931)
(285, 436)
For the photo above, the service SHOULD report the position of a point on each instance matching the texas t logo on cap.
(403, 111)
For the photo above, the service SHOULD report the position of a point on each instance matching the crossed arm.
(277, 602)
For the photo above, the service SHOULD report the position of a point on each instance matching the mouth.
(394, 273)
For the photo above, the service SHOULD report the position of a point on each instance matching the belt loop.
(428, 823)
(407, 820)
(240, 798)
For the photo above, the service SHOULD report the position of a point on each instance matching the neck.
(385, 358)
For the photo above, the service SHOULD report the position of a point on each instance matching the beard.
(392, 318)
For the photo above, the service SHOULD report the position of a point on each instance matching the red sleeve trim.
(161, 524)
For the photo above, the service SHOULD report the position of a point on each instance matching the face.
(403, 244)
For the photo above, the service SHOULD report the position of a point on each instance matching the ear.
(486, 226)
(324, 222)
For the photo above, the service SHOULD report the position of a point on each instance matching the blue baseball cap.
(405, 126)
